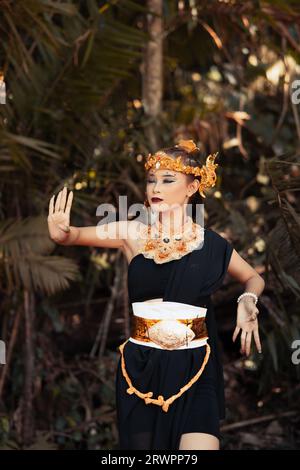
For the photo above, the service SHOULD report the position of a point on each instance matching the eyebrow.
(166, 174)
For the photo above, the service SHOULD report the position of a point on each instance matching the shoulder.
(136, 227)
(136, 231)
(217, 241)
(213, 234)
(210, 235)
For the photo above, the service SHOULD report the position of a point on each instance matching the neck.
(173, 221)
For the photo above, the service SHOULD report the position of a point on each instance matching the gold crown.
(161, 160)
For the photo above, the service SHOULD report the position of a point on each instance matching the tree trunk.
(152, 71)
(27, 412)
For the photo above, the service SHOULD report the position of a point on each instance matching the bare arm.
(110, 235)
(245, 274)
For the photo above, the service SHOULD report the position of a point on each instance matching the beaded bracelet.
(250, 294)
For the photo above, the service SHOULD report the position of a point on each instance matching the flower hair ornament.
(161, 160)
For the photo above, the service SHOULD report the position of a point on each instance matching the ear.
(195, 185)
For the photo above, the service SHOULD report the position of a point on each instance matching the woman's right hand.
(59, 216)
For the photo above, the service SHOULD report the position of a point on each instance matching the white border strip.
(167, 310)
(196, 343)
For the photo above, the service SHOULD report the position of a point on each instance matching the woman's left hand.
(247, 322)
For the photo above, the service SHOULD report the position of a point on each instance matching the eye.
(164, 181)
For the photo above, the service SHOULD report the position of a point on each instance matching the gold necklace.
(161, 247)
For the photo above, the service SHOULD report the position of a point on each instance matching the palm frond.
(24, 246)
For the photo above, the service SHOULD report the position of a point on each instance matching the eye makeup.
(164, 181)
(165, 175)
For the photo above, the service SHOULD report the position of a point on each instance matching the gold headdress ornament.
(161, 160)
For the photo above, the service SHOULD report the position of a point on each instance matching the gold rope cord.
(160, 400)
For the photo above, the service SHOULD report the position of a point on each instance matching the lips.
(156, 199)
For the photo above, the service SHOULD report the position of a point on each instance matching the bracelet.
(250, 294)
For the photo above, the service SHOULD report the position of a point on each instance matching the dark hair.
(191, 158)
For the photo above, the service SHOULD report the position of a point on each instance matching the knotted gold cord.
(160, 400)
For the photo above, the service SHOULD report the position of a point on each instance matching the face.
(172, 187)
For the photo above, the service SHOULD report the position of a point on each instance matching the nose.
(156, 187)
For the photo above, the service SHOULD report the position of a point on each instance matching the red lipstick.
(156, 199)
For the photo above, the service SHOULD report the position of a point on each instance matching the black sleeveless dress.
(191, 279)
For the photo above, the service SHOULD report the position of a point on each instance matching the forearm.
(255, 284)
(72, 236)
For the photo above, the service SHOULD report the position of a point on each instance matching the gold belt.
(169, 334)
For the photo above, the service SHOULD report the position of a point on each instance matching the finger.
(57, 204)
(257, 340)
(236, 332)
(63, 199)
(69, 203)
(51, 205)
(248, 342)
(243, 341)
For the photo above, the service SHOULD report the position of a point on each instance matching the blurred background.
(91, 87)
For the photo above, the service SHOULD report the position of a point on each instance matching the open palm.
(59, 215)
(247, 322)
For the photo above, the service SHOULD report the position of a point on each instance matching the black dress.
(191, 279)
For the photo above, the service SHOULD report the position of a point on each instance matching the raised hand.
(59, 216)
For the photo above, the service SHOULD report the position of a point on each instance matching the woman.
(169, 383)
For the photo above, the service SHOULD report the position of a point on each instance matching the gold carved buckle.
(170, 334)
